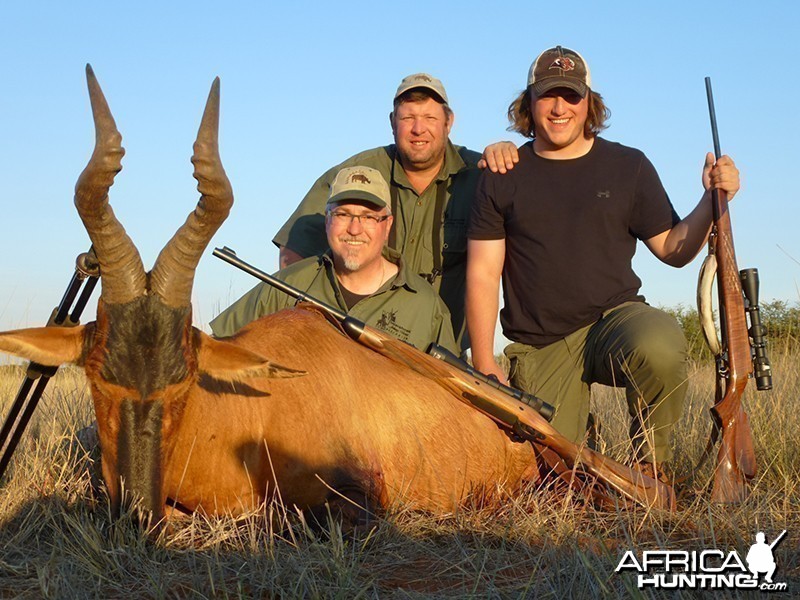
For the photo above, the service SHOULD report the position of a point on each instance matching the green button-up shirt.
(405, 307)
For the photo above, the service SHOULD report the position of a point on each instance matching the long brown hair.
(521, 119)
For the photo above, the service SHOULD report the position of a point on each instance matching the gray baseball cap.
(559, 67)
(422, 80)
(359, 183)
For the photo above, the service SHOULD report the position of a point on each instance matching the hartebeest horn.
(120, 264)
(173, 273)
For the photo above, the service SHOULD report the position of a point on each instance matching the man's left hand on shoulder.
(721, 174)
(499, 157)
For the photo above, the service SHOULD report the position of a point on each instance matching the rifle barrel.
(230, 257)
(713, 115)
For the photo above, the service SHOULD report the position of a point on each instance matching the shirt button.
(419, 203)
(411, 240)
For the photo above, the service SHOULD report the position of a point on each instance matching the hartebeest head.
(142, 356)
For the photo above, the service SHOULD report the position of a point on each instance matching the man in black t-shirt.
(560, 229)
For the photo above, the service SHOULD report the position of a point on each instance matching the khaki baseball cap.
(559, 67)
(422, 80)
(359, 183)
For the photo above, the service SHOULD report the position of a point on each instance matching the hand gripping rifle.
(738, 349)
(87, 272)
(522, 420)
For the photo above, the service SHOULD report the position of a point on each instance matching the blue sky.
(305, 85)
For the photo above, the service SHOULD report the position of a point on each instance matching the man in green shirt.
(356, 273)
(432, 183)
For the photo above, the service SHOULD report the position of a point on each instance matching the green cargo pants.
(634, 346)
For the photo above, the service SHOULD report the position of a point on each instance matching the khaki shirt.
(405, 307)
(304, 232)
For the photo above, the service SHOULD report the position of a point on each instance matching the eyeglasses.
(367, 221)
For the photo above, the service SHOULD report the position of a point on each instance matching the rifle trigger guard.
(705, 281)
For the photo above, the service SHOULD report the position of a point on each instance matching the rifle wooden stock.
(736, 461)
(525, 422)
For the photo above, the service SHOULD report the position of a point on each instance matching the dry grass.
(58, 541)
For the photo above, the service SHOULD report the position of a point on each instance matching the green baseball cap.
(359, 183)
(422, 80)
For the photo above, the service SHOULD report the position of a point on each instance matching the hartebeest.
(213, 425)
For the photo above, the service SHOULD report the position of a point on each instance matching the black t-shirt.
(570, 228)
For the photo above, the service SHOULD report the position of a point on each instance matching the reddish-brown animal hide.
(405, 438)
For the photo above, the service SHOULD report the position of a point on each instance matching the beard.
(352, 258)
(351, 263)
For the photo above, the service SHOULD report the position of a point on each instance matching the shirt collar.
(393, 256)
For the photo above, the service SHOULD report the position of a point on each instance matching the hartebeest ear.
(49, 346)
(227, 362)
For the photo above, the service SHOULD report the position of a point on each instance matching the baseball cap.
(422, 80)
(559, 67)
(359, 183)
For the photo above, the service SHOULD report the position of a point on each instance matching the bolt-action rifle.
(739, 348)
(523, 421)
(86, 274)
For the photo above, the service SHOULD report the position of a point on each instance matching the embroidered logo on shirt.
(388, 323)
(604, 194)
(387, 318)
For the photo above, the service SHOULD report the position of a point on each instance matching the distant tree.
(781, 319)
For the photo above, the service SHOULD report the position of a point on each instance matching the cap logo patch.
(360, 178)
(423, 78)
(563, 63)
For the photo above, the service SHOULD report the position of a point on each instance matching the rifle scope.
(539, 405)
(762, 370)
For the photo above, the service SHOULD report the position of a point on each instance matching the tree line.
(781, 319)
